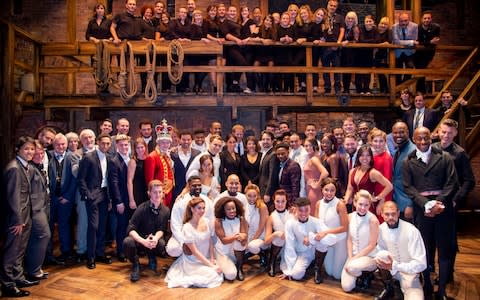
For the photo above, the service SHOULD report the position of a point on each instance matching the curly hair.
(220, 207)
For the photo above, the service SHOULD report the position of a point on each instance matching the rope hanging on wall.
(151, 85)
(175, 56)
(99, 74)
(124, 75)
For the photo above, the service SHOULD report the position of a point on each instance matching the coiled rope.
(175, 56)
(122, 77)
(99, 74)
(151, 85)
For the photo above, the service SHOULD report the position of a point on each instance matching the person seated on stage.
(332, 212)
(361, 243)
(146, 230)
(275, 229)
(231, 230)
(198, 268)
(193, 189)
(305, 242)
(401, 255)
(257, 219)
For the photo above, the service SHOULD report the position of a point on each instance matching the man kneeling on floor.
(146, 230)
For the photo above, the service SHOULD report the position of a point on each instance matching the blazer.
(67, 181)
(117, 179)
(180, 170)
(430, 119)
(39, 195)
(89, 177)
(411, 35)
(264, 173)
(17, 192)
(290, 180)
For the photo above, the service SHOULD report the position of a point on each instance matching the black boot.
(152, 263)
(263, 258)
(319, 258)
(135, 276)
(239, 256)
(274, 251)
(364, 281)
(389, 291)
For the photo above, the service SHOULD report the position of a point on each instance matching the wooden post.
(416, 9)
(264, 7)
(309, 93)
(390, 10)
(71, 21)
(220, 76)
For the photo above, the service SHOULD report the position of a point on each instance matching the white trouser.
(353, 269)
(173, 248)
(335, 259)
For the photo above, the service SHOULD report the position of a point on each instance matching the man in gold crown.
(158, 164)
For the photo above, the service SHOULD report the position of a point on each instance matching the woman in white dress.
(361, 242)
(231, 229)
(210, 185)
(275, 229)
(257, 216)
(198, 268)
(333, 213)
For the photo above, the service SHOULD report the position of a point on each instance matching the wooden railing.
(199, 48)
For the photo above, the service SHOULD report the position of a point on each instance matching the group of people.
(344, 200)
(253, 34)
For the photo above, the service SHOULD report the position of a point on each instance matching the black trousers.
(97, 210)
(38, 242)
(131, 248)
(122, 224)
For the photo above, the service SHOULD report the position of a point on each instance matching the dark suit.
(180, 171)
(264, 173)
(96, 202)
(290, 180)
(62, 184)
(438, 231)
(117, 187)
(40, 235)
(151, 144)
(17, 210)
(430, 119)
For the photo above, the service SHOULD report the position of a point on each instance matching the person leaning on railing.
(381, 54)
(364, 56)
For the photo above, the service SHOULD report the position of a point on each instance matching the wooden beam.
(71, 21)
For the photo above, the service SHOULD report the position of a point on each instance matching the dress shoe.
(80, 257)
(13, 291)
(41, 276)
(121, 257)
(53, 261)
(91, 263)
(26, 283)
(104, 260)
(442, 297)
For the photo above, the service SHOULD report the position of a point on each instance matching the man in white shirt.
(238, 132)
(299, 154)
(401, 255)
(233, 187)
(214, 148)
(199, 142)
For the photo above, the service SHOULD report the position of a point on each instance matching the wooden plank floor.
(112, 282)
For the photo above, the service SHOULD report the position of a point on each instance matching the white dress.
(187, 270)
(211, 191)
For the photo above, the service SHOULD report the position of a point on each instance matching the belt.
(431, 193)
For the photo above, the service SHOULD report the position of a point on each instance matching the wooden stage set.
(112, 281)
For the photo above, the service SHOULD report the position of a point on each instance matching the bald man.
(430, 179)
(405, 33)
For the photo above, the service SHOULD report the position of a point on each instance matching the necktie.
(396, 156)
(404, 34)
(418, 114)
(238, 149)
(59, 158)
(350, 163)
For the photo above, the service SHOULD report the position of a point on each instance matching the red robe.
(159, 166)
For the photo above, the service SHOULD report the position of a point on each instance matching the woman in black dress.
(229, 160)
(136, 183)
(250, 163)
(347, 58)
(286, 34)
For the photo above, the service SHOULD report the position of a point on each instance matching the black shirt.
(316, 31)
(333, 30)
(245, 29)
(304, 30)
(101, 31)
(145, 222)
(198, 32)
(128, 26)
(290, 31)
(147, 29)
(229, 27)
(425, 35)
(179, 30)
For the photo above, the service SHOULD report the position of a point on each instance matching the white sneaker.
(247, 91)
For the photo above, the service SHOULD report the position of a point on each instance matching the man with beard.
(175, 243)
(233, 190)
(403, 147)
(268, 154)
(182, 158)
(429, 178)
(401, 255)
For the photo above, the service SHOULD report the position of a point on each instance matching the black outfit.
(423, 57)
(248, 171)
(179, 30)
(147, 30)
(228, 166)
(117, 185)
(381, 59)
(96, 202)
(438, 232)
(316, 33)
(431, 117)
(248, 51)
(16, 209)
(364, 58)
(265, 56)
(128, 26)
(162, 59)
(145, 221)
(299, 53)
(284, 57)
(348, 56)
(233, 53)
(264, 174)
(139, 183)
(180, 171)
(101, 31)
(331, 57)
(197, 33)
